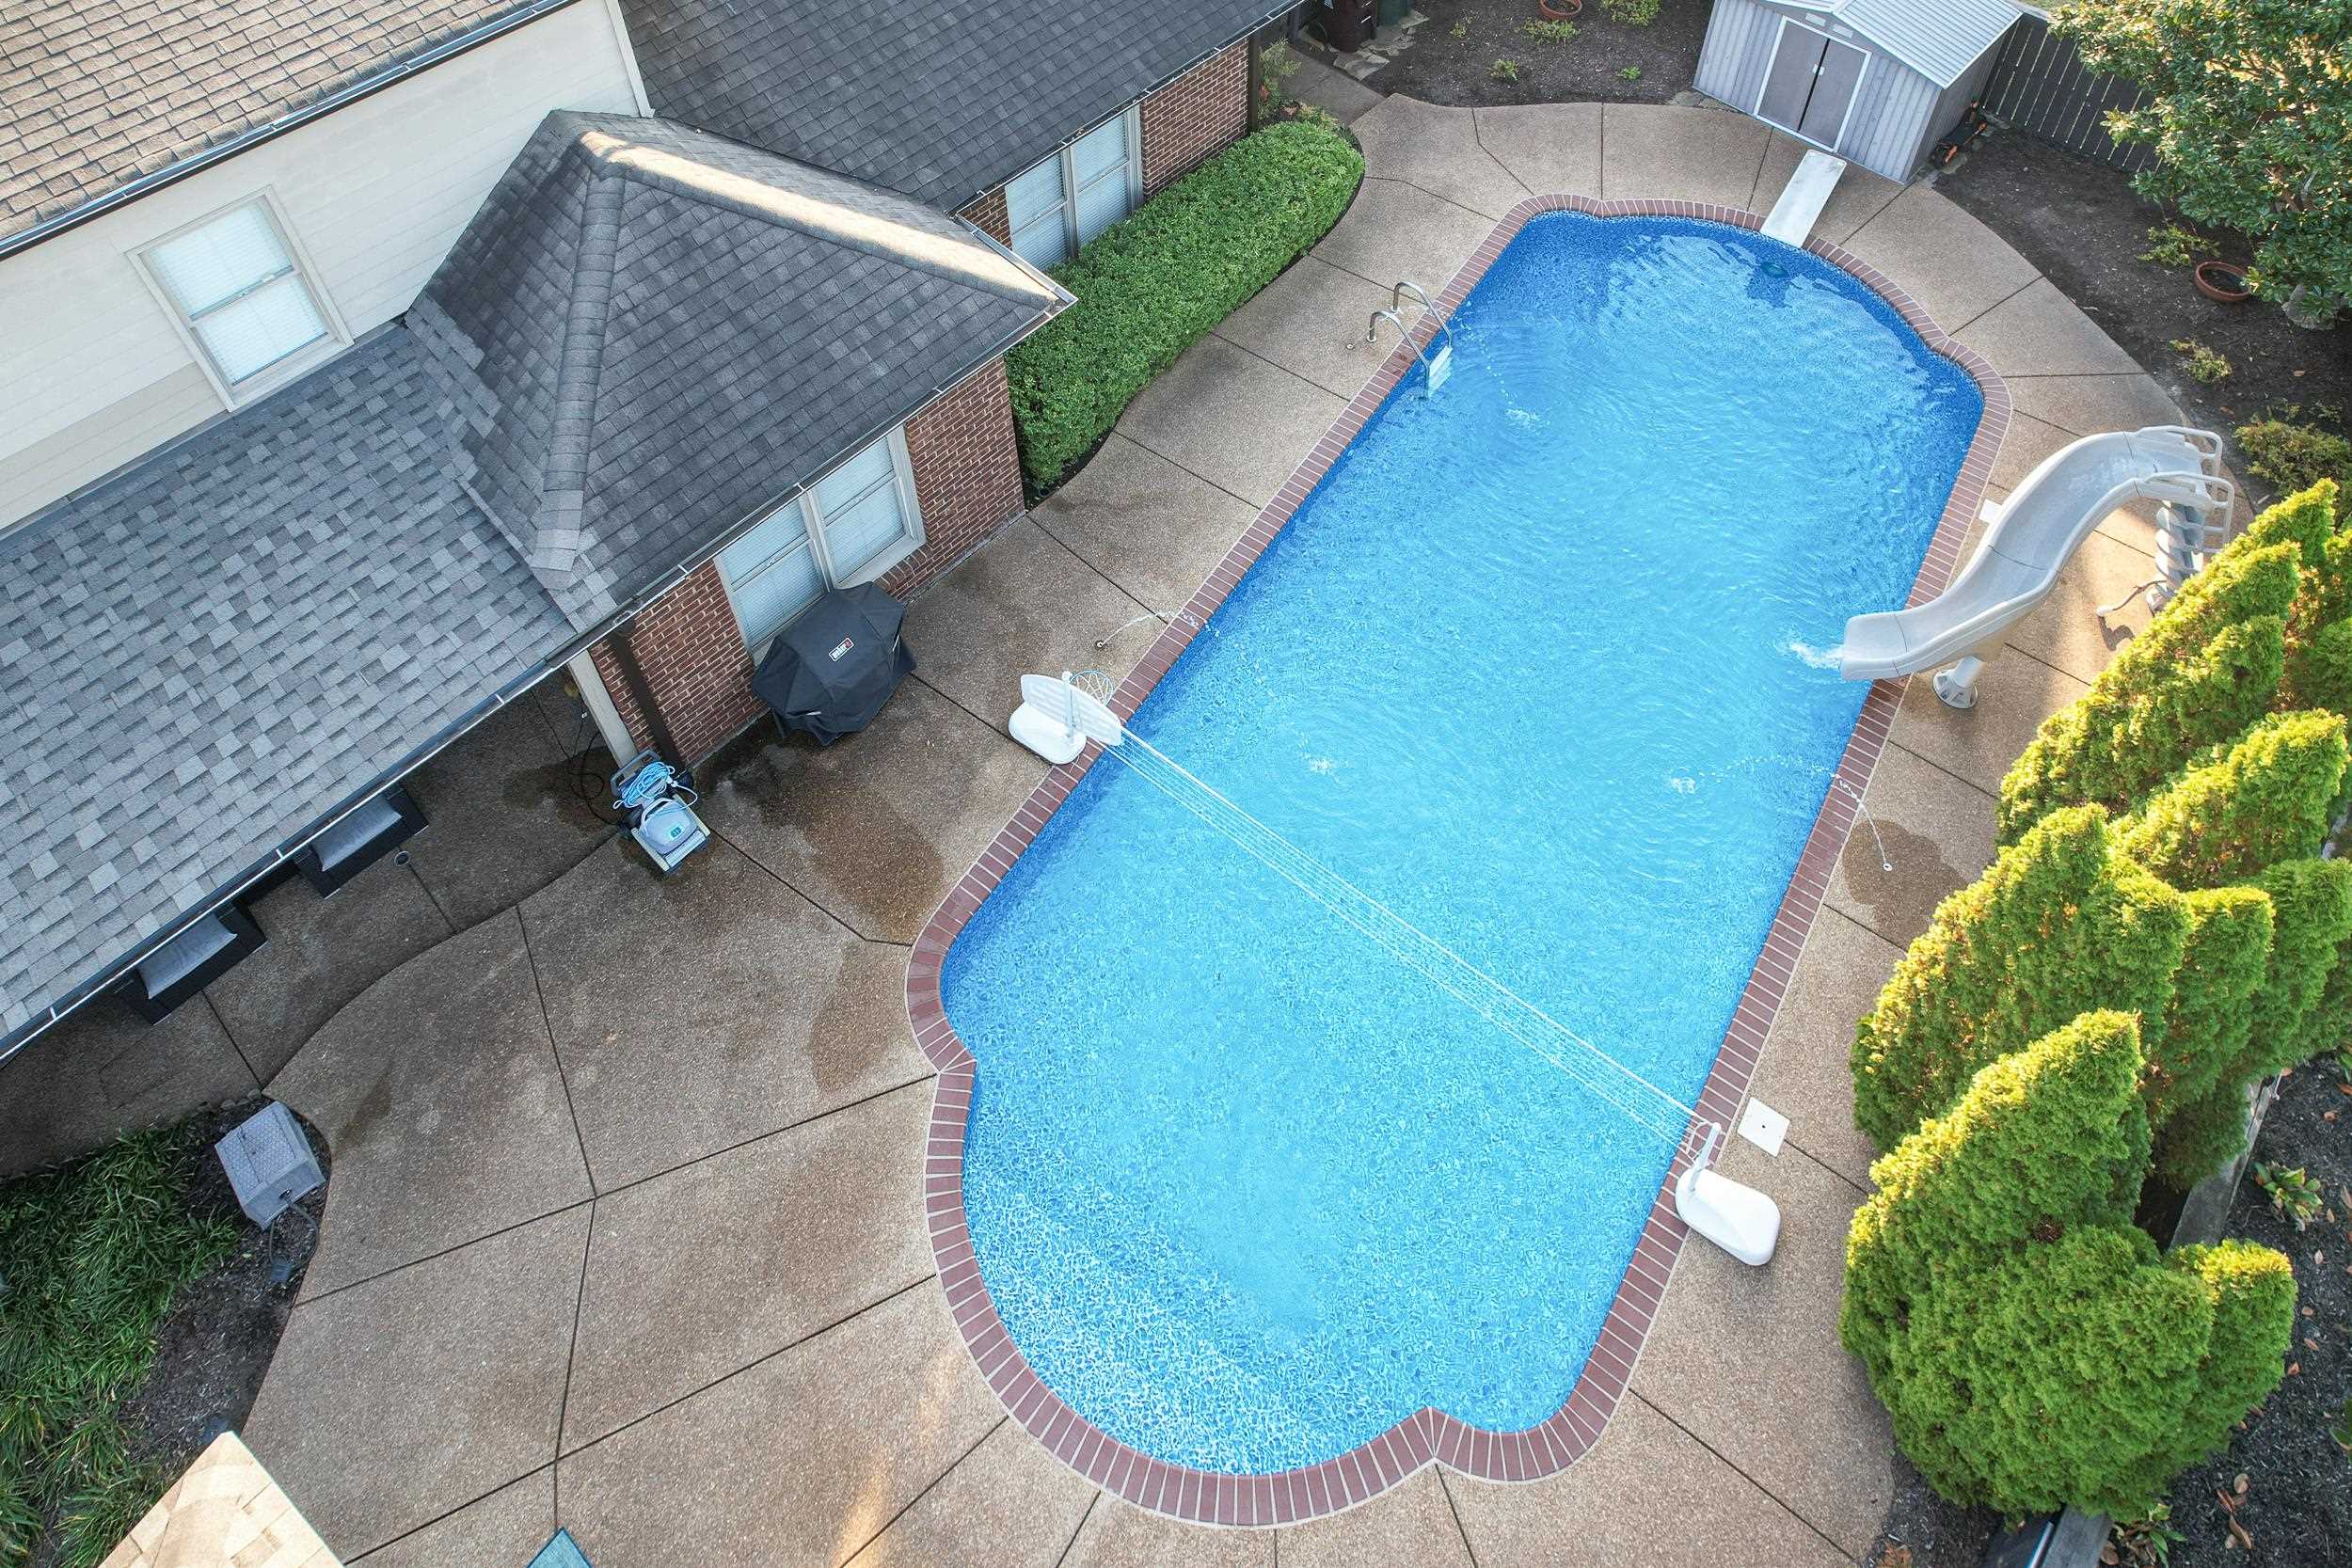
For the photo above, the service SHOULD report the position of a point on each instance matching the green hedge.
(2032, 1349)
(2205, 1029)
(2060, 926)
(1151, 287)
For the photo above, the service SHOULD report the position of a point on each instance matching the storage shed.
(1877, 82)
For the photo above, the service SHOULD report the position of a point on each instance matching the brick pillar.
(967, 474)
(1202, 111)
(695, 666)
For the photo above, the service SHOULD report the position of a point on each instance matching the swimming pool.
(1530, 665)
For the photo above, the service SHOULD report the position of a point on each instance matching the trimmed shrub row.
(1151, 287)
(2152, 938)
(2033, 1348)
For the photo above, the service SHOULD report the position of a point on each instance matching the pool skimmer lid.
(1764, 1126)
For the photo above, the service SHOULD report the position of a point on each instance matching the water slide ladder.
(1066, 714)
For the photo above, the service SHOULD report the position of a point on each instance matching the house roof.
(656, 332)
(940, 103)
(647, 334)
(217, 649)
(1938, 38)
(99, 92)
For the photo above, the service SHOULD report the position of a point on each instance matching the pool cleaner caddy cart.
(1056, 719)
(658, 802)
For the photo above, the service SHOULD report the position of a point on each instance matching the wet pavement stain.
(1901, 902)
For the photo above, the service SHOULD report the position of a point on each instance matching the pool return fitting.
(1055, 719)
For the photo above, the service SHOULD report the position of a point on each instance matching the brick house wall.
(967, 475)
(967, 481)
(988, 214)
(1201, 112)
(695, 666)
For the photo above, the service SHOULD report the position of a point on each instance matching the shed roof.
(655, 331)
(100, 92)
(940, 103)
(1938, 38)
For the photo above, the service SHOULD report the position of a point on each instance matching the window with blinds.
(234, 283)
(1074, 195)
(852, 526)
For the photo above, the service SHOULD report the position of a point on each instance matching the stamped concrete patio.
(626, 1229)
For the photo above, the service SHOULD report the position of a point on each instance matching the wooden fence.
(2040, 86)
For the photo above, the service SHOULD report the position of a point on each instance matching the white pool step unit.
(2027, 544)
(1802, 199)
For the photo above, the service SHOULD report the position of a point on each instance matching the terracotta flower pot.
(1560, 10)
(2223, 281)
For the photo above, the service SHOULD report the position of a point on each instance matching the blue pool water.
(1530, 667)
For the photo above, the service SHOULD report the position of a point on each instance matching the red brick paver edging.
(1372, 1467)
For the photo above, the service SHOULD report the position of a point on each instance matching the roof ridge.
(955, 255)
(558, 534)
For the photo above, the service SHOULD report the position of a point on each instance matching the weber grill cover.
(830, 671)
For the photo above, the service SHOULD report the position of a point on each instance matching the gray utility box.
(269, 1164)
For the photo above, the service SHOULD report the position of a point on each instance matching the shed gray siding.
(1738, 49)
(1954, 102)
(1895, 115)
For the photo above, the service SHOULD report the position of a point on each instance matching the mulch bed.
(2084, 227)
(2298, 1503)
(1442, 69)
(214, 1348)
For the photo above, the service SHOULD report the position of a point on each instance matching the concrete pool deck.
(626, 1231)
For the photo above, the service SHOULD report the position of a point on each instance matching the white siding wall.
(93, 372)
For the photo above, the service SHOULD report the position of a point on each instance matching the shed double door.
(1810, 84)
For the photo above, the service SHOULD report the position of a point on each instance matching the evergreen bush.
(2205, 1030)
(2060, 926)
(2205, 670)
(2268, 799)
(2046, 1139)
(2087, 1370)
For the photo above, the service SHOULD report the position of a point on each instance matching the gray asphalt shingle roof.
(645, 334)
(939, 103)
(216, 648)
(655, 332)
(98, 93)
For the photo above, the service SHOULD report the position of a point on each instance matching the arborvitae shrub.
(2177, 688)
(2206, 1029)
(2286, 1018)
(2266, 801)
(2312, 905)
(2201, 1136)
(2049, 1138)
(2087, 1370)
(2060, 926)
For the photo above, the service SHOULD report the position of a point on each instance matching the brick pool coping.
(1372, 1467)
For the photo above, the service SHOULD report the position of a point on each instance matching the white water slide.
(2029, 540)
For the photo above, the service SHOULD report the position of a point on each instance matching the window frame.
(1065, 157)
(812, 523)
(235, 394)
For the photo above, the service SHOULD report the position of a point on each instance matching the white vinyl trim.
(304, 273)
